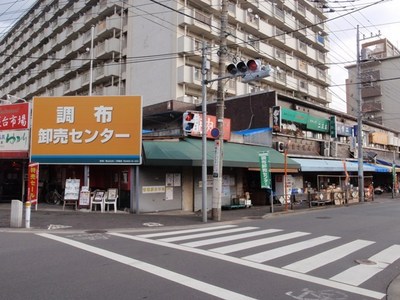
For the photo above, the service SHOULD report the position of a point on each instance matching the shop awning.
(324, 165)
(188, 152)
(14, 154)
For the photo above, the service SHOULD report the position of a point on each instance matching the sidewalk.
(52, 217)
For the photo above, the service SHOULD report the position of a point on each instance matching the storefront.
(182, 159)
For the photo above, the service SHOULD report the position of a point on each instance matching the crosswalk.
(296, 254)
(221, 241)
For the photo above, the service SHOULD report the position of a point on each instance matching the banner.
(265, 172)
(14, 116)
(33, 182)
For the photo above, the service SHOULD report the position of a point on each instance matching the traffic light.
(252, 70)
(189, 121)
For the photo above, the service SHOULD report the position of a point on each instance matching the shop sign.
(294, 116)
(344, 130)
(14, 140)
(276, 119)
(104, 130)
(14, 116)
(211, 123)
(317, 124)
(33, 181)
(332, 126)
(265, 172)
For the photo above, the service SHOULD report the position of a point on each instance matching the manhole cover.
(323, 218)
(96, 231)
(365, 262)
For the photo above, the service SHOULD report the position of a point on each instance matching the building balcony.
(372, 106)
(107, 49)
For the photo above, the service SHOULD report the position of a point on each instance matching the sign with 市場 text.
(103, 130)
(14, 116)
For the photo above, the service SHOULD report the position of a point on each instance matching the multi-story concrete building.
(153, 48)
(380, 69)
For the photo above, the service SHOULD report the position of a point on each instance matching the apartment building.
(153, 49)
(379, 75)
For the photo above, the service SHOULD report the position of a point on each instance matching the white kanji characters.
(103, 114)
(65, 114)
(60, 135)
(45, 136)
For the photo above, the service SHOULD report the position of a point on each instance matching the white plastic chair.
(111, 199)
(98, 199)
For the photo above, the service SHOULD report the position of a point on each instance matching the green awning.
(188, 152)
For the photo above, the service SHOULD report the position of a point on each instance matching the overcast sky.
(379, 16)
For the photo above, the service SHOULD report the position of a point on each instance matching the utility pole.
(204, 132)
(219, 153)
(359, 124)
(359, 117)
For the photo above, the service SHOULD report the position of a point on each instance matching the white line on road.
(230, 238)
(152, 269)
(206, 234)
(158, 234)
(259, 242)
(360, 273)
(266, 268)
(289, 249)
(324, 258)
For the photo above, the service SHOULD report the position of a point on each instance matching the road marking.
(200, 235)
(230, 238)
(152, 269)
(259, 242)
(324, 258)
(360, 273)
(262, 267)
(159, 234)
(289, 249)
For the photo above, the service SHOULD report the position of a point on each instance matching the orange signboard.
(87, 130)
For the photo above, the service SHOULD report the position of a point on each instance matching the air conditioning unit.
(280, 146)
(325, 148)
(334, 149)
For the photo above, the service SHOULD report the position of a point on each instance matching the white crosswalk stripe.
(361, 273)
(289, 249)
(324, 258)
(230, 238)
(260, 242)
(158, 234)
(200, 235)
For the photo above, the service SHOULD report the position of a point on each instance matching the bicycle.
(54, 197)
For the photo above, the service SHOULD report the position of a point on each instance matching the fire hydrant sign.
(33, 180)
(104, 130)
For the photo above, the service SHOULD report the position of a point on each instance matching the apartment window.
(301, 9)
(302, 46)
(279, 13)
(280, 55)
(303, 84)
(197, 73)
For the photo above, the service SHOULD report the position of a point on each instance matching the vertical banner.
(33, 181)
(265, 170)
(276, 118)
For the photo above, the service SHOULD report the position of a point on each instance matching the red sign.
(33, 181)
(14, 116)
(211, 124)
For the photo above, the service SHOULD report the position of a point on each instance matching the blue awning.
(325, 165)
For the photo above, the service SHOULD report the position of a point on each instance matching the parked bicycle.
(54, 197)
